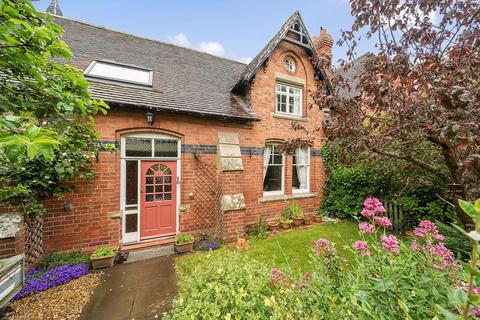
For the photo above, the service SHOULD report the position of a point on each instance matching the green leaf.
(469, 209)
(470, 269)
(448, 314)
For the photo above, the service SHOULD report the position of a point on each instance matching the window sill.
(289, 117)
(284, 197)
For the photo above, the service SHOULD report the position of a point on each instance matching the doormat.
(150, 253)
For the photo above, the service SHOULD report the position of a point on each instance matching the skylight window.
(119, 72)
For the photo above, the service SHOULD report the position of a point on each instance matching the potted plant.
(273, 226)
(285, 223)
(297, 214)
(103, 257)
(184, 243)
(318, 216)
(307, 219)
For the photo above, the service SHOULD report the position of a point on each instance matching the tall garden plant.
(46, 135)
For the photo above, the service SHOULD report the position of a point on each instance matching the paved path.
(140, 290)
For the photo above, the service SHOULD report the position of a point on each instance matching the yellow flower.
(228, 316)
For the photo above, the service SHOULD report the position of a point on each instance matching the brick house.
(197, 135)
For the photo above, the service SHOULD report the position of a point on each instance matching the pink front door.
(158, 215)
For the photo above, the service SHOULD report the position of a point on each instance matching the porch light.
(149, 118)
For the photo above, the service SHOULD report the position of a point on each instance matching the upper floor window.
(119, 72)
(273, 170)
(289, 64)
(289, 99)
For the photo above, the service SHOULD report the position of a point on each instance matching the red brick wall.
(90, 224)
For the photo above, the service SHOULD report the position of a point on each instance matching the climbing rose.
(383, 221)
(390, 243)
(366, 227)
(362, 246)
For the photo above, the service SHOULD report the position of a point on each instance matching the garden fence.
(396, 215)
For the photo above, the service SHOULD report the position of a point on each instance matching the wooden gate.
(396, 215)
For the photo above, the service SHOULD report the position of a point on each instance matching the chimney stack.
(54, 8)
(323, 46)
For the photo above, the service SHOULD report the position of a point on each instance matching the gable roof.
(184, 80)
(350, 74)
(294, 24)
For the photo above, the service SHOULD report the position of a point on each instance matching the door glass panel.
(166, 148)
(158, 197)
(149, 189)
(131, 182)
(168, 188)
(158, 180)
(149, 197)
(149, 180)
(138, 147)
(131, 223)
(168, 196)
(168, 179)
(158, 188)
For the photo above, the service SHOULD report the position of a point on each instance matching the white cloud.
(211, 47)
(246, 60)
(180, 40)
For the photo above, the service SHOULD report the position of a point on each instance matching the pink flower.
(323, 246)
(427, 228)
(374, 204)
(443, 256)
(277, 276)
(367, 212)
(390, 243)
(383, 221)
(362, 246)
(415, 246)
(366, 227)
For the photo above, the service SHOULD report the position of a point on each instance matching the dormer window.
(289, 99)
(117, 72)
(289, 64)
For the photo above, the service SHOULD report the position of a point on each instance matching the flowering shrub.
(37, 281)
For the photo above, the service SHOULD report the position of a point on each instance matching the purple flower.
(35, 281)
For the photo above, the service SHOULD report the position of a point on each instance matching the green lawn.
(288, 248)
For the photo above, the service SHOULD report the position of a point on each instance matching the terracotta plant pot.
(273, 226)
(318, 219)
(184, 247)
(307, 220)
(285, 226)
(103, 262)
(241, 244)
(297, 221)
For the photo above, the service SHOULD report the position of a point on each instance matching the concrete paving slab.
(140, 290)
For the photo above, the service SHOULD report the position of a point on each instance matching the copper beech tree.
(417, 97)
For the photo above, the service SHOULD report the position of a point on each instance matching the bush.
(233, 286)
(456, 241)
(55, 259)
(104, 253)
(346, 188)
(258, 230)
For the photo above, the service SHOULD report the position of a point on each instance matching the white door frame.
(135, 236)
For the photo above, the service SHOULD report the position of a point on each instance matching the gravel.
(62, 302)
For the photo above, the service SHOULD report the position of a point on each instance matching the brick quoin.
(95, 217)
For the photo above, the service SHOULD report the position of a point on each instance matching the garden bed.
(62, 302)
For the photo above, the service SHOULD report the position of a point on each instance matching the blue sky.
(232, 29)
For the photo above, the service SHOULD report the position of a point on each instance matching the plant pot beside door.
(184, 244)
(103, 258)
